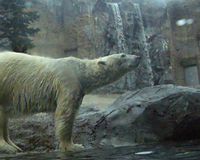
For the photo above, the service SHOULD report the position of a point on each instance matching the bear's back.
(13, 58)
(25, 79)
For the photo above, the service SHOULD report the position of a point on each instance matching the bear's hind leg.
(4, 146)
(6, 135)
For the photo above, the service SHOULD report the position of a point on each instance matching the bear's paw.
(6, 148)
(71, 147)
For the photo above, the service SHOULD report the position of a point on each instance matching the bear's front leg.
(70, 147)
(65, 116)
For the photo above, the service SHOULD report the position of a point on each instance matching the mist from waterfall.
(145, 78)
(116, 44)
(118, 26)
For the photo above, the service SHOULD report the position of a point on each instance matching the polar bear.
(32, 84)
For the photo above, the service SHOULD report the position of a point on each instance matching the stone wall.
(94, 28)
(184, 42)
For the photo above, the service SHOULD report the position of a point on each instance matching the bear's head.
(121, 63)
(115, 66)
(105, 70)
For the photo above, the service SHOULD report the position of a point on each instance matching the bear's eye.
(123, 55)
(102, 63)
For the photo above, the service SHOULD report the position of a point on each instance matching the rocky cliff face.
(93, 28)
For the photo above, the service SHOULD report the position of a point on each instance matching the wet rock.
(160, 113)
(152, 114)
(35, 132)
(155, 114)
(166, 78)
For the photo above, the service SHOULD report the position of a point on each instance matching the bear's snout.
(138, 58)
(135, 62)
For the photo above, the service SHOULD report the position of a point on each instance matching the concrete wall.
(184, 45)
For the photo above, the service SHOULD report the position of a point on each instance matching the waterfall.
(118, 27)
(145, 77)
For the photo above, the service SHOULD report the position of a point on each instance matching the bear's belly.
(30, 109)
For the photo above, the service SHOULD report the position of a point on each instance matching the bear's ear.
(102, 63)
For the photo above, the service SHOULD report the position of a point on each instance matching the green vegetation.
(15, 20)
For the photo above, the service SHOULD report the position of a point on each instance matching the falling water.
(145, 77)
(118, 27)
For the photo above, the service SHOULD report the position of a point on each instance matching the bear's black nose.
(139, 58)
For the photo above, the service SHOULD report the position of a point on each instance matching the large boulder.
(160, 113)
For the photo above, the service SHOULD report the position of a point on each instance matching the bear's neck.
(95, 77)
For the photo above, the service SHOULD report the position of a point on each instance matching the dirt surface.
(102, 101)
